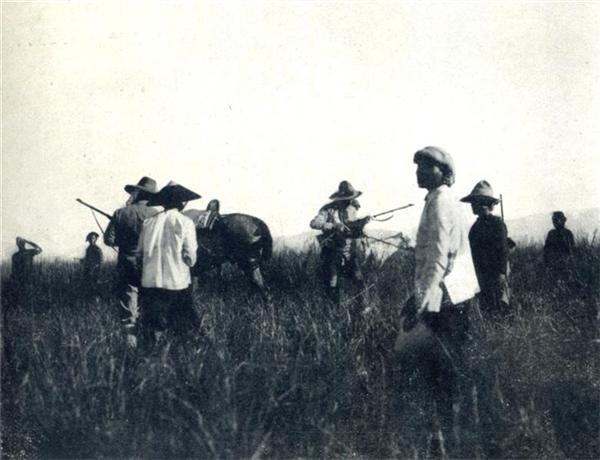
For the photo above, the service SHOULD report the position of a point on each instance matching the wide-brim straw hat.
(145, 184)
(172, 193)
(482, 192)
(344, 192)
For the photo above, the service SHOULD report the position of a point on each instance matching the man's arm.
(499, 247)
(439, 221)
(320, 221)
(110, 236)
(190, 245)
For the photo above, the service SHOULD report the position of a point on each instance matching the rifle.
(391, 210)
(93, 208)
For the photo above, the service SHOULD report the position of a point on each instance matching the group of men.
(156, 249)
(453, 264)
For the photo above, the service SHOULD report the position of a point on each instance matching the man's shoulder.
(495, 221)
(327, 207)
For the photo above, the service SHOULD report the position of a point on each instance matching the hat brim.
(480, 199)
(132, 188)
(172, 194)
(337, 197)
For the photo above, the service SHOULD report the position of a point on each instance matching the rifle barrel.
(99, 211)
(393, 210)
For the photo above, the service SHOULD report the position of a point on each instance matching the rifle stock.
(93, 208)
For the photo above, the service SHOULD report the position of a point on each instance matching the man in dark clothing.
(91, 263)
(124, 232)
(22, 261)
(559, 246)
(489, 247)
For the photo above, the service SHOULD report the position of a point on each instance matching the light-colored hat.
(439, 156)
(345, 191)
(145, 184)
(481, 192)
(172, 193)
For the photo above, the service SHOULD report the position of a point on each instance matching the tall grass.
(295, 380)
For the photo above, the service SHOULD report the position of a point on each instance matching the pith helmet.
(145, 184)
(345, 191)
(172, 193)
(482, 192)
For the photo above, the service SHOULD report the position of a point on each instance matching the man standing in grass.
(167, 251)
(558, 249)
(445, 280)
(91, 263)
(22, 260)
(489, 246)
(123, 232)
(340, 229)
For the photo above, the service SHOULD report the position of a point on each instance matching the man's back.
(126, 226)
(560, 241)
(22, 264)
(168, 249)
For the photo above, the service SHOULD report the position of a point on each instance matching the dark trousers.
(447, 370)
(167, 310)
(336, 264)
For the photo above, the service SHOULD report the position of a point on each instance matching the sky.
(269, 105)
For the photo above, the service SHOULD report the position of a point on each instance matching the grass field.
(293, 380)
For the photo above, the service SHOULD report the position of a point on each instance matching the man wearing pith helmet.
(340, 229)
(445, 280)
(167, 251)
(489, 246)
(123, 232)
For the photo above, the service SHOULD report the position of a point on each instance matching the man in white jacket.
(167, 250)
(445, 279)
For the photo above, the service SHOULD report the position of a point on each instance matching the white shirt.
(442, 250)
(168, 250)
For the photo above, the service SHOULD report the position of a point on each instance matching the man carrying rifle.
(488, 238)
(123, 232)
(340, 230)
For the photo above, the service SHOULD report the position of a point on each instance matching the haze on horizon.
(268, 105)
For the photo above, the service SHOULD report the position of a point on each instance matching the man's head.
(21, 243)
(482, 207)
(91, 238)
(482, 199)
(345, 194)
(559, 219)
(435, 167)
(141, 191)
(173, 196)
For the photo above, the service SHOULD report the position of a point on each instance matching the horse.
(240, 239)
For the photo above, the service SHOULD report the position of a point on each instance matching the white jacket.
(442, 252)
(168, 249)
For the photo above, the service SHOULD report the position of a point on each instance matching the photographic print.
(300, 229)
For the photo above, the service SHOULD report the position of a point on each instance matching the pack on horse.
(240, 239)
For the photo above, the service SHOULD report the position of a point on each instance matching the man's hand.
(428, 300)
(337, 226)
